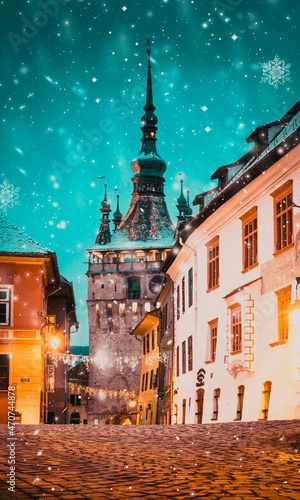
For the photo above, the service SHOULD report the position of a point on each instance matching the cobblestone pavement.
(244, 460)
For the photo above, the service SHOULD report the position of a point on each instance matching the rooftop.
(14, 240)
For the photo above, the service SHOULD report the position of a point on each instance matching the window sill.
(210, 361)
(279, 342)
(236, 352)
(212, 289)
(249, 268)
(291, 245)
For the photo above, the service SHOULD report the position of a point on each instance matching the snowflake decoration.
(9, 195)
(276, 72)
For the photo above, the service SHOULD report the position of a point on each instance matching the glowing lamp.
(132, 404)
(54, 342)
(295, 313)
(295, 308)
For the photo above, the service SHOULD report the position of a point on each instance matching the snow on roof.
(14, 240)
(120, 241)
(288, 130)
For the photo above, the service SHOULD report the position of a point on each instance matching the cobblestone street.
(228, 461)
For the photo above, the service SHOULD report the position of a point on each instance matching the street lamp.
(54, 342)
(295, 308)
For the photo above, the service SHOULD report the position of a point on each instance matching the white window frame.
(6, 301)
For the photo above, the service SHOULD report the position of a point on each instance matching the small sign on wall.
(200, 377)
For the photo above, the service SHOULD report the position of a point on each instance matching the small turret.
(117, 215)
(104, 235)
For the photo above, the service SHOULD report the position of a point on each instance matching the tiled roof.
(14, 240)
(120, 241)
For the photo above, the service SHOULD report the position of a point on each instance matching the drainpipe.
(196, 281)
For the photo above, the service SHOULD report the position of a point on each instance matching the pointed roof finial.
(105, 203)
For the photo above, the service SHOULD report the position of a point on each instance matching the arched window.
(216, 404)
(133, 287)
(240, 402)
(265, 400)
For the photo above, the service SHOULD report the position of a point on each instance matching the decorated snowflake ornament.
(276, 72)
(9, 195)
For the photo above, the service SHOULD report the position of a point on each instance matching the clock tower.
(123, 275)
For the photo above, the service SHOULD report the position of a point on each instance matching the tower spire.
(149, 119)
(117, 215)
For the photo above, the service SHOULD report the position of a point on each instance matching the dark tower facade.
(123, 275)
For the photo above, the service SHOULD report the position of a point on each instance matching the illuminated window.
(183, 356)
(213, 263)
(283, 303)
(283, 216)
(190, 353)
(147, 307)
(190, 287)
(236, 328)
(213, 326)
(109, 310)
(249, 228)
(134, 308)
(122, 310)
(97, 313)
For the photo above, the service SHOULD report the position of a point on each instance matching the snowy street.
(230, 461)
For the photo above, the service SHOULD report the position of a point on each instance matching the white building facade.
(234, 268)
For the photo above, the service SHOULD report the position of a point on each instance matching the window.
(190, 353)
(240, 402)
(236, 329)
(147, 307)
(148, 342)
(265, 400)
(283, 302)
(146, 381)
(183, 295)
(283, 216)
(249, 222)
(213, 263)
(122, 310)
(151, 379)
(134, 309)
(213, 326)
(216, 404)
(190, 287)
(164, 320)
(144, 345)
(75, 400)
(183, 357)
(183, 410)
(133, 288)
(153, 340)
(155, 381)
(4, 372)
(109, 310)
(177, 361)
(143, 382)
(178, 302)
(4, 306)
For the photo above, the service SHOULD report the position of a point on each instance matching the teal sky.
(84, 72)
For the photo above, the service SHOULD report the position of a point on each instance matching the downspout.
(196, 282)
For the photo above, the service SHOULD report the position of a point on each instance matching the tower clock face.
(155, 284)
